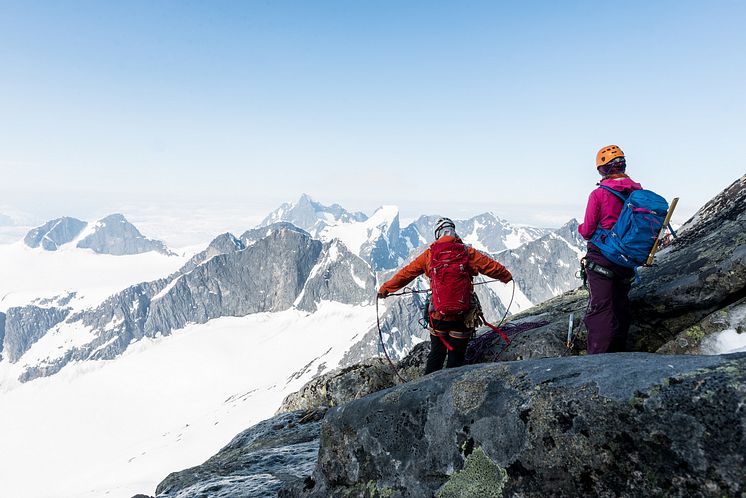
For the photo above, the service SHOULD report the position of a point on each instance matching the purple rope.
(480, 346)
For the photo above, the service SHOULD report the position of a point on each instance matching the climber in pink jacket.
(604, 207)
(608, 315)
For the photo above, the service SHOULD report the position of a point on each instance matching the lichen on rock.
(481, 477)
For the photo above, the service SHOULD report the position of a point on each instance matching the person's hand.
(382, 294)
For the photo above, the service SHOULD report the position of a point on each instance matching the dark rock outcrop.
(628, 425)
(701, 338)
(55, 233)
(702, 271)
(611, 425)
(341, 386)
(256, 464)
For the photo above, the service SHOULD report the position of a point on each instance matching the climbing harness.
(495, 328)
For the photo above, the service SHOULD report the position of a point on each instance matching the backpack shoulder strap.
(616, 193)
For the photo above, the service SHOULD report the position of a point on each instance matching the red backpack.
(450, 278)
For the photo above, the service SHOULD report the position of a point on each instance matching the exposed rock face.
(23, 326)
(609, 425)
(703, 270)
(250, 237)
(55, 233)
(115, 235)
(388, 249)
(340, 386)
(401, 331)
(338, 276)
(222, 244)
(267, 276)
(546, 267)
(284, 269)
(256, 464)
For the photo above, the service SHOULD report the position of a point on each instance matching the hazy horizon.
(223, 110)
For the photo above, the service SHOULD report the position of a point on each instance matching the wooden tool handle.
(666, 221)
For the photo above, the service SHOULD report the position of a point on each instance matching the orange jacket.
(478, 263)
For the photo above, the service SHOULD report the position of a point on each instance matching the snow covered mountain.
(546, 267)
(110, 235)
(55, 233)
(271, 268)
(485, 232)
(383, 243)
(311, 216)
(286, 269)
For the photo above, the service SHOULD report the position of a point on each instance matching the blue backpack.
(629, 242)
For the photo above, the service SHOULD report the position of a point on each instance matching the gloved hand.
(382, 294)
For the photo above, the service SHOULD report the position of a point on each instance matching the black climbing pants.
(438, 353)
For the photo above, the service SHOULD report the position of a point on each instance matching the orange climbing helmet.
(608, 153)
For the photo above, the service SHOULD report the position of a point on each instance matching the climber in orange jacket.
(453, 264)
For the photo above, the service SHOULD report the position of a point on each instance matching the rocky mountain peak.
(115, 235)
(55, 233)
(311, 215)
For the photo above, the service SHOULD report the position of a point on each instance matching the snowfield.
(27, 274)
(117, 428)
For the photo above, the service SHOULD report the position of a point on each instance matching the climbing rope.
(383, 345)
(422, 291)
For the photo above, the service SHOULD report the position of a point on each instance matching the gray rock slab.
(256, 463)
(609, 425)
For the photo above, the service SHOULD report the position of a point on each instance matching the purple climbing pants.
(608, 315)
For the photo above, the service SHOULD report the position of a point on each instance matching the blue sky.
(442, 107)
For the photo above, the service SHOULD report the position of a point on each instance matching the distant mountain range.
(303, 253)
(380, 240)
(110, 235)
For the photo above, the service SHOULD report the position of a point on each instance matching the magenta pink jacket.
(604, 207)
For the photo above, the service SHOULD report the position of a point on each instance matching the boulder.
(702, 271)
(256, 463)
(707, 336)
(629, 424)
(341, 386)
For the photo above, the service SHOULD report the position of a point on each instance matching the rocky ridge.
(215, 283)
(285, 269)
(614, 425)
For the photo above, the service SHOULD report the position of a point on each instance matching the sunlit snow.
(116, 428)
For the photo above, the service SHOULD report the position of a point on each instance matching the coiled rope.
(422, 291)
